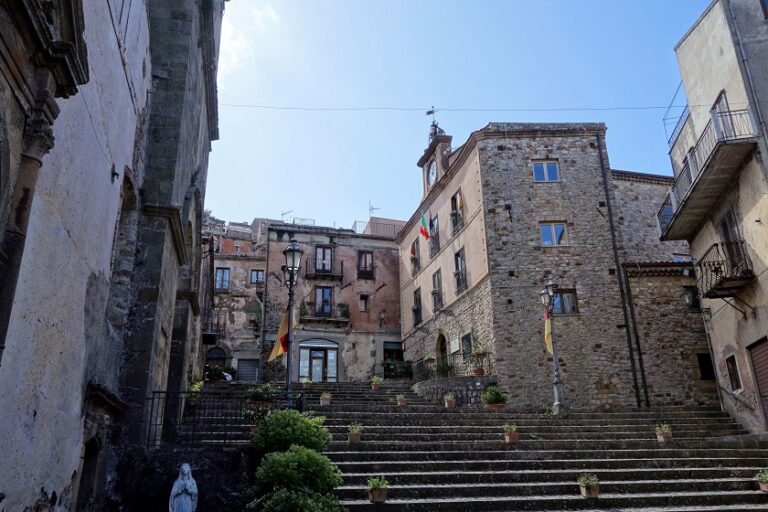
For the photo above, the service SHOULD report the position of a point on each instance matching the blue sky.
(484, 54)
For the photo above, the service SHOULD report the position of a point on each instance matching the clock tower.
(434, 161)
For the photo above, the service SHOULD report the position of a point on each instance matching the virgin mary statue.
(184, 493)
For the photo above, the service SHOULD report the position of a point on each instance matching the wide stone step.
(439, 430)
(663, 502)
(501, 465)
(440, 409)
(553, 475)
(390, 415)
(342, 452)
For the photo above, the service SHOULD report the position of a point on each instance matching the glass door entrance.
(318, 361)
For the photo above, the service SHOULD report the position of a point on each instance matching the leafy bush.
(449, 396)
(299, 469)
(281, 429)
(377, 380)
(377, 482)
(663, 429)
(762, 476)
(355, 428)
(588, 480)
(284, 500)
(493, 395)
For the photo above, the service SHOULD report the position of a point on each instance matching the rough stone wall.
(671, 335)
(360, 338)
(594, 359)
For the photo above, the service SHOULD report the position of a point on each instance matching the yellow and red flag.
(281, 341)
(548, 332)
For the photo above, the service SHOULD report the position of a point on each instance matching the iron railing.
(437, 299)
(415, 265)
(394, 369)
(461, 281)
(323, 267)
(723, 126)
(209, 417)
(416, 310)
(679, 125)
(310, 310)
(434, 244)
(454, 365)
(376, 228)
(724, 266)
(366, 273)
(457, 221)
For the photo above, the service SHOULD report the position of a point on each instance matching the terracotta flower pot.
(590, 492)
(353, 437)
(478, 372)
(495, 407)
(664, 437)
(306, 385)
(511, 437)
(450, 404)
(401, 402)
(325, 401)
(377, 495)
(375, 387)
(763, 486)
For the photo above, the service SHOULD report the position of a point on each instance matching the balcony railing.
(324, 269)
(461, 281)
(723, 127)
(376, 228)
(416, 315)
(437, 299)
(366, 273)
(434, 244)
(454, 365)
(338, 313)
(724, 270)
(415, 265)
(457, 221)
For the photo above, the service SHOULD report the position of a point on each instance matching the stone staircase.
(437, 459)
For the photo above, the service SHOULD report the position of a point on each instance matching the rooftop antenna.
(283, 214)
(371, 209)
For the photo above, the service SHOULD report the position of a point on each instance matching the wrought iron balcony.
(461, 281)
(434, 244)
(437, 299)
(709, 168)
(724, 270)
(457, 221)
(324, 313)
(324, 269)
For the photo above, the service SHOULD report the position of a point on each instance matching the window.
(461, 271)
(323, 258)
(457, 212)
(237, 249)
(466, 345)
(565, 302)
(434, 236)
(553, 233)
(365, 265)
(415, 258)
(733, 373)
(680, 257)
(545, 170)
(437, 291)
(764, 4)
(222, 278)
(323, 300)
(364, 302)
(706, 370)
(417, 306)
(257, 276)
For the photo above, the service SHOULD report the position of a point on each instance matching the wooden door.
(759, 355)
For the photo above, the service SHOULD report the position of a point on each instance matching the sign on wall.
(454, 346)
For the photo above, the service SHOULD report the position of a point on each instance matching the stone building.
(516, 205)
(718, 200)
(240, 260)
(347, 301)
(107, 111)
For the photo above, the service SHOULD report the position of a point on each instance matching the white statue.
(184, 493)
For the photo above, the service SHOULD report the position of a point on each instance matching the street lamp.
(548, 299)
(291, 268)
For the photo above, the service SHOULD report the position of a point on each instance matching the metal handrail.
(453, 365)
(332, 267)
(723, 260)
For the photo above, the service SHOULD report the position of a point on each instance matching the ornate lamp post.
(291, 268)
(548, 299)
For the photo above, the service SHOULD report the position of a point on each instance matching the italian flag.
(548, 332)
(423, 229)
(281, 341)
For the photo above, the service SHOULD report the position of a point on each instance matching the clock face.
(432, 173)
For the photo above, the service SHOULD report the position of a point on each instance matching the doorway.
(759, 355)
(442, 349)
(318, 361)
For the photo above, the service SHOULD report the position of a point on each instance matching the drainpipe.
(632, 316)
(604, 171)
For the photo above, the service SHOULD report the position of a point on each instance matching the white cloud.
(240, 30)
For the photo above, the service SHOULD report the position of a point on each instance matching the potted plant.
(376, 382)
(325, 398)
(493, 398)
(194, 394)
(511, 435)
(400, 399)
(429, 360)
(762, 480)
(306, 382)
(663, 433)
(589, 485)
(377, 489)
(450, 400)
(343, 309)
(355, 430)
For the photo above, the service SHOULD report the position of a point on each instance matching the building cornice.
(642, 177)
(191, 297)
(173, 215)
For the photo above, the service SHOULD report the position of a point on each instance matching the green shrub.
(298, 469)
(355, 428)
(377, 482)
(493, 395)
(377, 380)
(284, 500)
(762, 476)
(663, 428)
(281, 429)
(449, 396)
(588, 480)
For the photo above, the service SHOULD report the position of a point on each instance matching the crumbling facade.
(513, 207)
(103, 161)
(718, 199)
(347, 302)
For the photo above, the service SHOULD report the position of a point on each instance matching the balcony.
(324, 269)
(434, 245)
(437, 299)
(708, 170)
(379, 229)
(461, 281)
(457, 221)
(724, 270)
(366, 273)
(329, 314)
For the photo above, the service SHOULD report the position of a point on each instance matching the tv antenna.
(371, 209)
(283, 214)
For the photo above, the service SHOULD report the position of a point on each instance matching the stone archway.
(441, 349)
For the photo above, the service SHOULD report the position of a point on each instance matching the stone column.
(38, 140)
